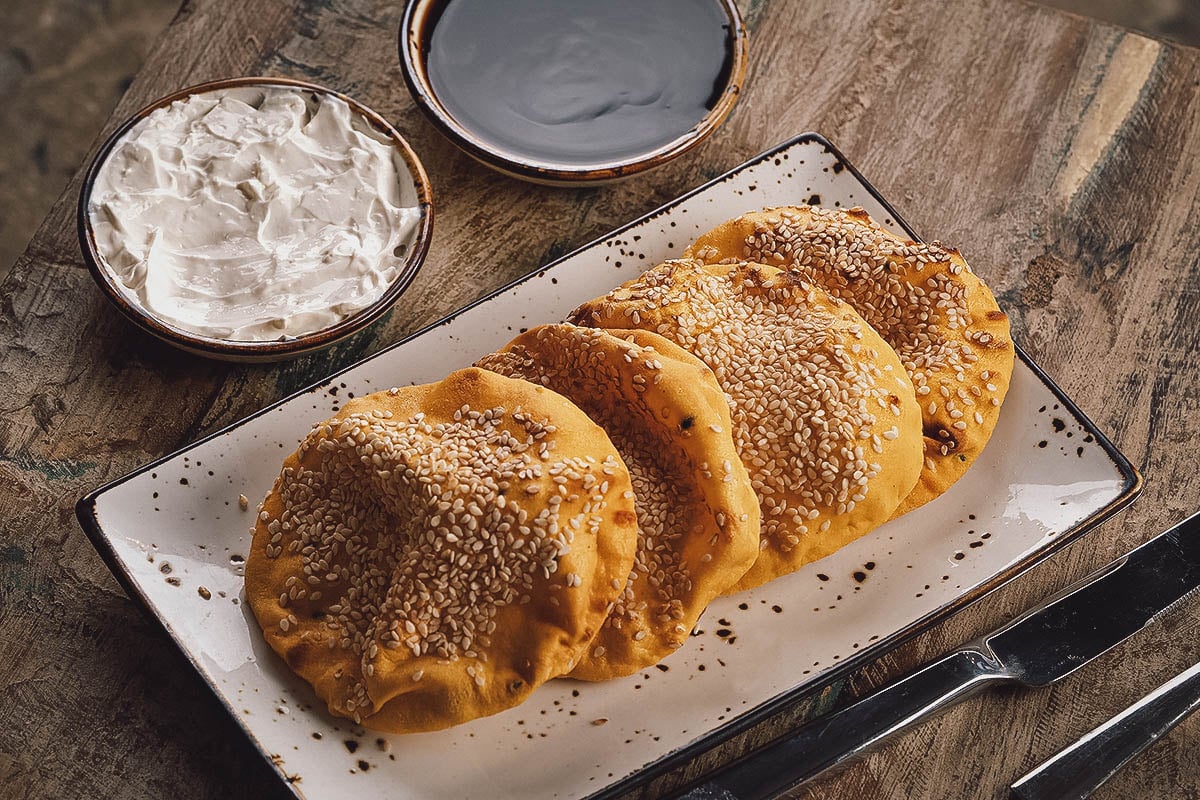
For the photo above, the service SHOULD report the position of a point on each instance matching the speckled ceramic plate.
(174, 534)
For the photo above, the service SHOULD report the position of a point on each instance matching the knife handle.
(1084, 766)
(840, 738)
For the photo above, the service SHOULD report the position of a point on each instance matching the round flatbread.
(433, 553)
(824, 416)
(698, 518)
(923, 299)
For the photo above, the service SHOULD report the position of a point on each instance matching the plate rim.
(1132, 481)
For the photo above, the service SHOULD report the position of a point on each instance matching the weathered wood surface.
(1060, 155)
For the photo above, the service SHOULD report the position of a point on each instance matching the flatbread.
(923, 299)
(698, 523)
(824, 416)
(433, 553)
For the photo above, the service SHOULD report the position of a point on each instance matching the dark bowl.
(227, 350)
(415, 28)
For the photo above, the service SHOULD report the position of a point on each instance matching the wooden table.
(1059, 154)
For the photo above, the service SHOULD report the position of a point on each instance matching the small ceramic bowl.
(258, 351)
(420, 17)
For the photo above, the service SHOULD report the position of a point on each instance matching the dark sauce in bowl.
(579, 83)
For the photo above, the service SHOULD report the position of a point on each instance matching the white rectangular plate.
(174, 534)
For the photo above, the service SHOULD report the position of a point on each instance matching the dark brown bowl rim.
(413, 67)
(273, 350)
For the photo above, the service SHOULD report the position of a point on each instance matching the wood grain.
(1060, 155)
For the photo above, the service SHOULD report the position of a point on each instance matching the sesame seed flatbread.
(824, 416)
(924, 301)
(433, 553)
(698, 518)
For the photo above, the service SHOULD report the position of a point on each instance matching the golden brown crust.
(824, 417)
(698, 529)
(923, 299)
(412, 565)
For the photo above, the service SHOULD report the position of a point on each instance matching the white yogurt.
(254, 213)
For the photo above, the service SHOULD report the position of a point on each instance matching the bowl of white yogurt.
(255, 219)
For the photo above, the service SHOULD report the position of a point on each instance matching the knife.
(1039, 647)
(1083, 767)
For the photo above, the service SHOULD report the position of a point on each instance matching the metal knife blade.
(1101, 611)
(1042, 645)
(1083, 767)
